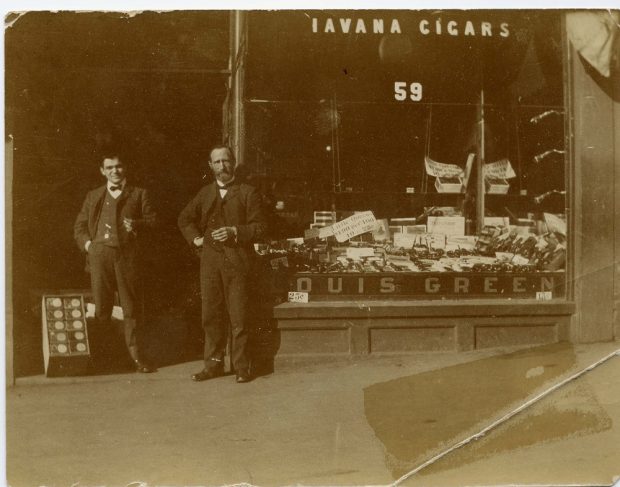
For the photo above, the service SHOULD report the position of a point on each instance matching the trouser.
(114, 270)
(224, 290)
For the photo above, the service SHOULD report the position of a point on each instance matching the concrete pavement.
(361, 422)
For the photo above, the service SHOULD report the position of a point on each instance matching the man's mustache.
(224, 171)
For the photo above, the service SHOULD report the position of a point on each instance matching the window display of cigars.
(502, 249)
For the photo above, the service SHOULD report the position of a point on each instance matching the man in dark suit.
(224, 219)
(107, 230)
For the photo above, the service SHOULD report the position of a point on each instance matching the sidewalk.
(360, 422)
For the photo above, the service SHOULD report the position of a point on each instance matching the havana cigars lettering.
(348, 25)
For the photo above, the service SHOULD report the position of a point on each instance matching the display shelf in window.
(433, 259)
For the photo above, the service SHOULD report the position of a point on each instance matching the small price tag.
(356, 253)
(297, 297)
(544, 295)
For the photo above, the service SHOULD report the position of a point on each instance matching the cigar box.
(496, 185)
(449, 185)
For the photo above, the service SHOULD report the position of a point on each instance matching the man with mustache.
(224, 220)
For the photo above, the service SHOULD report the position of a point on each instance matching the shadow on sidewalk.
(419, 416)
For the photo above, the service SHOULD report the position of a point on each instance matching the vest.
(215, 220)
(107, 229)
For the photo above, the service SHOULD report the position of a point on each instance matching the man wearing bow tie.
(107, 229)
(224, 220)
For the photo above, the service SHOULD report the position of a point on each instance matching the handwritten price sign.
(355, 225)
(297, 297)
(544, 295)
(499, 170)
(441, 169)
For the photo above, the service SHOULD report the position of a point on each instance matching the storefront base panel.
(317, 340)
(355, 328)
(408, 339)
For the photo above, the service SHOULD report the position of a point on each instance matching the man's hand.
(198, 241)
(129, 224)
(224, 233)
(87, 245)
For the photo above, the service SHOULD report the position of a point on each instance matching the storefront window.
(396, 143)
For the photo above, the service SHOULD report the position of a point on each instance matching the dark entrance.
(153, 82)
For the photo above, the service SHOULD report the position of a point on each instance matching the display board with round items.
(66, 325)
(65, 334)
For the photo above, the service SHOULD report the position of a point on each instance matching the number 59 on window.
(400, 91)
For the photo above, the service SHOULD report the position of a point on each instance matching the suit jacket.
(242, 209)
(133, 203)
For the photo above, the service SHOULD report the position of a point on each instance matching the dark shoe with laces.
(143, 368)
(206, 374)
(243, 376)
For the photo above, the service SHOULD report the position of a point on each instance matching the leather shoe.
(206, 374)
(142, 368)
(243, 376)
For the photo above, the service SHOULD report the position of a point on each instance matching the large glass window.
(447, 125)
